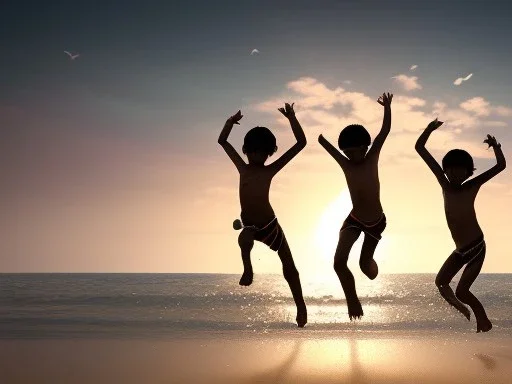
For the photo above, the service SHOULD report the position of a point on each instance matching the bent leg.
(451, 266)
(291, 276)
(347, 239)
(368, 265)
(246, 242)
(463, 293)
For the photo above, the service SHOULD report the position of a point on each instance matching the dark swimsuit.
(374, 229)
(472, 250)
(271, 235)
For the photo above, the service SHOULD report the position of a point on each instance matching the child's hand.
(434, 125)
(236, 118)
(491, 142)
(385, 100)
(287, 111)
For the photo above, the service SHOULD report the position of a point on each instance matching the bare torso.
(459, 208)
(364, 186)
(254, 195)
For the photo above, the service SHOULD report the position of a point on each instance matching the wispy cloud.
(459, 80)
(409, 83)
(503, 111)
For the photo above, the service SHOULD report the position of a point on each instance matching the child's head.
(458, 165)
(259, 145)
(354, 141)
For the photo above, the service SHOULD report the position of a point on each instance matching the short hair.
(354, 135)
(458, 158)
(259, 139)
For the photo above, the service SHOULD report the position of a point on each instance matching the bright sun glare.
(327, 231)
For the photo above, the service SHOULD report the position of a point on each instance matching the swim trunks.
(374, 229)
(472, 250)
(271, 234)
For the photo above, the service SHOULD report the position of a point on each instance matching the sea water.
(184, 305)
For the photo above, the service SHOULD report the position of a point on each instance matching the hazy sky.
(110, 162)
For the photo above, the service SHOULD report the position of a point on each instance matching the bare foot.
(246, 278)
(355, 311)
(483, 325)
(302, 316)
(370, 269)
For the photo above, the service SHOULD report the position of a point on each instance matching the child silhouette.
(258, 217)
(459, 204)
(360, 167)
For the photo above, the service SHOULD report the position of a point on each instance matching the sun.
(329, 224)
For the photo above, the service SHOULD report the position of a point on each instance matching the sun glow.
(327, 231)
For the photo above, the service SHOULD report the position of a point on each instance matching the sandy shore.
(229, 358)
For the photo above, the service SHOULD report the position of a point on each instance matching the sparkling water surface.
(181, 305)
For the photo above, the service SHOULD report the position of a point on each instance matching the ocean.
(60, 306)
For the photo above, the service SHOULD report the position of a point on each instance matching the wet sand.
(328, 357)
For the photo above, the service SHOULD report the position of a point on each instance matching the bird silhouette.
(71, 56)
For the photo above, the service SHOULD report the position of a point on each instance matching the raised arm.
(228, 148)
(501, 163)
(427, 157)
(331, 149)
(289, 113)
(385, 101)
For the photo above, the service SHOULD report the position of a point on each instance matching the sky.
(110, 162)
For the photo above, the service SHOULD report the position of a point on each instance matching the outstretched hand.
(491, 142)
(236, 117)
(385, 99)
(433, 125)
(287, 111)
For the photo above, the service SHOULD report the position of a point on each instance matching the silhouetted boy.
(459, 198)
(361, 172)
(260, 222)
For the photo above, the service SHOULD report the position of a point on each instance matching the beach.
(302, 358)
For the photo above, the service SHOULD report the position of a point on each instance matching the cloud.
(503, 111)
(413, 67)
(409, 83)
(324, 109)
(477, 105)
(459, 80)
(495, 123)
(347, 82)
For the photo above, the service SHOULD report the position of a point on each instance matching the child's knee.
(461, 293)
(340, 266)
(440, 281)
(246, 240)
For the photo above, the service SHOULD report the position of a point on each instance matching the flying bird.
(71, 56)
(461, 79)
(254, 51)
(413, 67)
